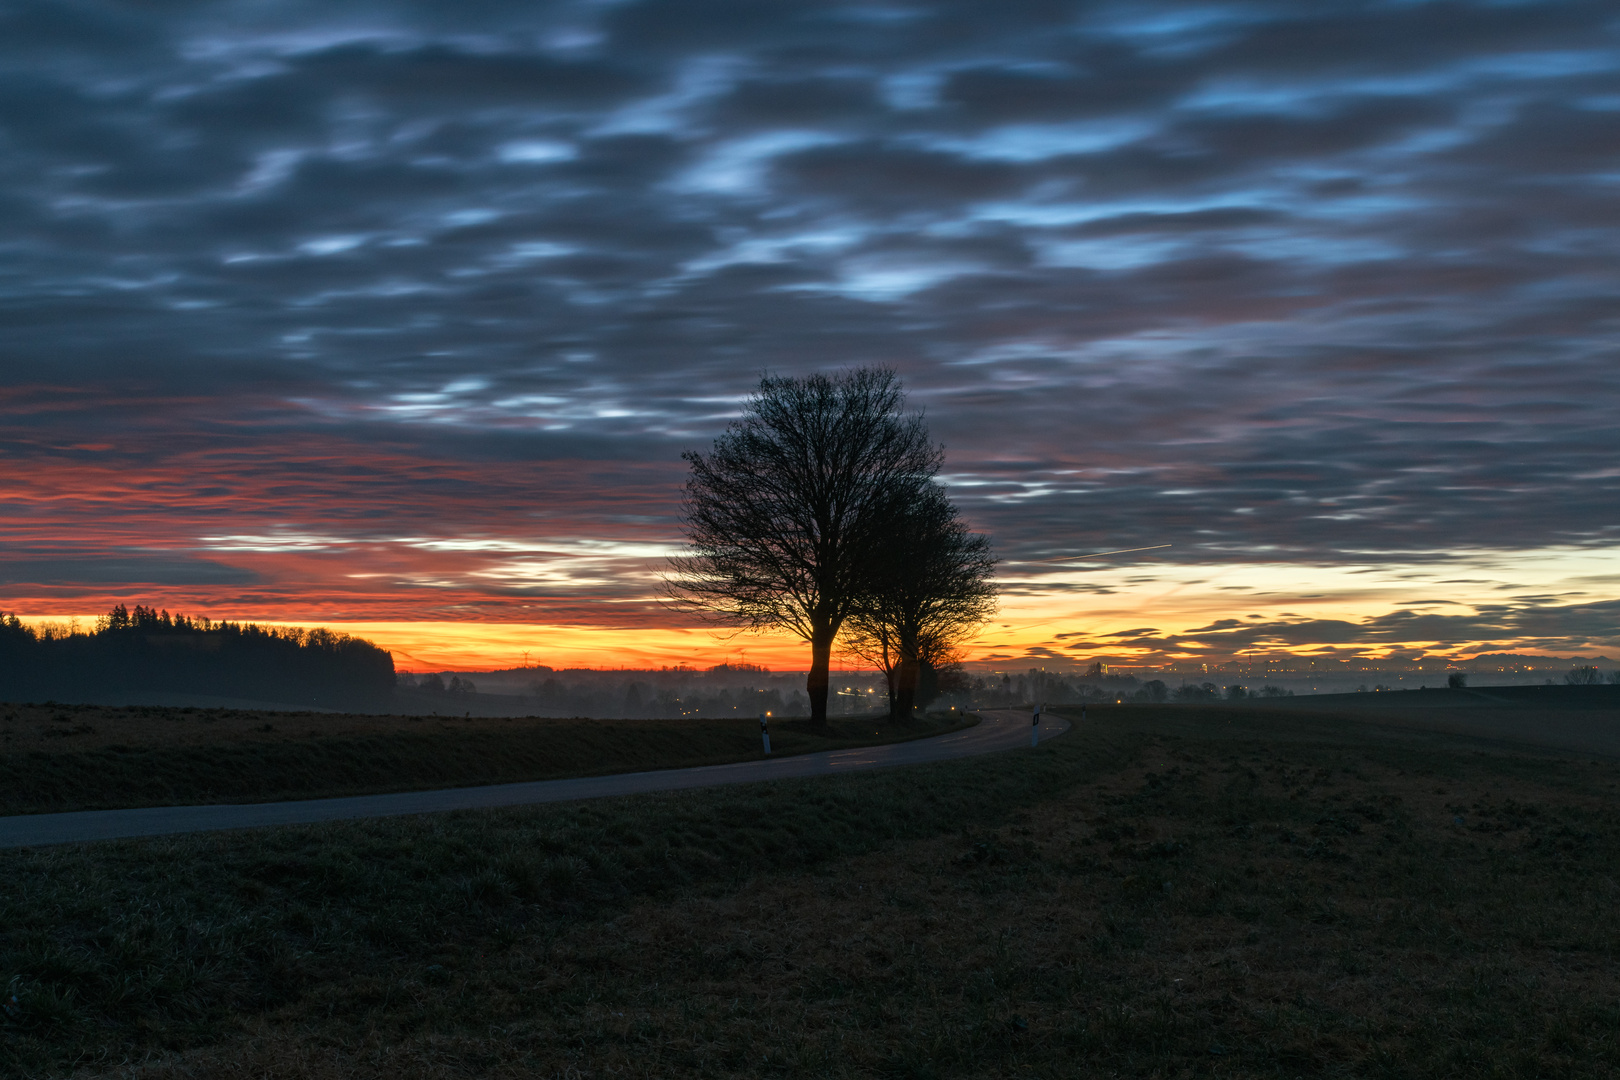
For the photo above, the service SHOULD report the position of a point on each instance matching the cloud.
(1537, 627)
(1278, 281)
(102, 568)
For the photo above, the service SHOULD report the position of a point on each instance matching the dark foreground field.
(1167, 892)
(88, 757)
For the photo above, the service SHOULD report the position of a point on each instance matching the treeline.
(146, 651)
(1055, 689)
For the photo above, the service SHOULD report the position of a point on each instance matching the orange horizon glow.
(423, 647)
(1045, 620)
(420, 647)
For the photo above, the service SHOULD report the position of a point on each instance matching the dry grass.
(1173, 893)
(55, 758)
(77, 728)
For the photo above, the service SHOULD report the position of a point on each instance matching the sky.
(397, 317)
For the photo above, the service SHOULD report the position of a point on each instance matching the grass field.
(55, 758)
(1167, 892)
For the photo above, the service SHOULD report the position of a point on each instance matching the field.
(87, 757)
(1166, 892)
(1583, 719)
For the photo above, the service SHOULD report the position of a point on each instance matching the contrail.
(1099, 554)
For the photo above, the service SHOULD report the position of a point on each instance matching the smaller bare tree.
(932, 590)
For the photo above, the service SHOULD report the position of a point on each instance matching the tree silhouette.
(787, 516)
(1585, 675)
(146, 650)
(933, 589)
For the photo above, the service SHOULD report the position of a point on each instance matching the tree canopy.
(792, 517)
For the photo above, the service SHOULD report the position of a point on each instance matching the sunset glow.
(1151, 614)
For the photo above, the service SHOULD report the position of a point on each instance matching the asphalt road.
(1001, 729)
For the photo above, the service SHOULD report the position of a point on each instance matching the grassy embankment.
(87, 757)
(1169, 892)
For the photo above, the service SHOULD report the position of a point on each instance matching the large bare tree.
(787, 517)
(933, 591)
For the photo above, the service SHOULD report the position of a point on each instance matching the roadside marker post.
(765, 734)
(1035, 728)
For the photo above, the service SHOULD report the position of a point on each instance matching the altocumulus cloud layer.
(394, 310)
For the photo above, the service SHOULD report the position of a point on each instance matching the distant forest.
(146, 651)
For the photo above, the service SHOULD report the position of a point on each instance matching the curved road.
(1000, 729)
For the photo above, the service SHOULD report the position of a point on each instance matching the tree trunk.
(820, 678)
(905, 689)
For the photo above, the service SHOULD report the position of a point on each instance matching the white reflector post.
(1035, 728)
(764, 734)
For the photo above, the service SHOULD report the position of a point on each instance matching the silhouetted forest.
(145, 651)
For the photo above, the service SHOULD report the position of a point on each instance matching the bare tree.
(1584, 675)
(786, 518)
(935, 588)
(878, 647)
